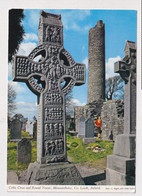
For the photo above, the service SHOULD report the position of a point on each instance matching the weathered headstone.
(29, 127)
(89, 131)
(89, 128)
(81, 127)
(121, 165)
(35, 130)
(72, 125)
(51, 78)
(24, 151)
(15, 132)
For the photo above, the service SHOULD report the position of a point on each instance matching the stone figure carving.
(44, 78)
(52, 34)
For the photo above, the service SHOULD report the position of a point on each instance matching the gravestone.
(15, 132)
(30, 127)
(24, 151)
(81, 127)
(89, 128)
(72, 125)
(51, 78)
(89, 131)
(35, 130)
(121, 165)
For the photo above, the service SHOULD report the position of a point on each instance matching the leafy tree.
(16, 31)
(114, 88)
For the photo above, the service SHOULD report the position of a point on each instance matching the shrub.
(25, 134)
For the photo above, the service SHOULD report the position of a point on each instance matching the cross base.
(120, 171)
(121, 165)
(55, 174)
(125, 145)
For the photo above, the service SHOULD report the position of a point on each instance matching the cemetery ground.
(90, 159)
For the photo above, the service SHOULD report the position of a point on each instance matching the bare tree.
(11, 100)
(114, 88)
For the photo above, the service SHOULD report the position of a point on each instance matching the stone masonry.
(96, 74)
(112, 115)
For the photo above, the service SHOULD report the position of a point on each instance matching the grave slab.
(24, 151)
(89, 128)
(81, 127)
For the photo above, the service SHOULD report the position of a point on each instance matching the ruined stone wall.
(91, 110)
(112, 115)
(96, 73)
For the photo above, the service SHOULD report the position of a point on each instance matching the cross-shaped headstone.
(50, 72)
(127, 70)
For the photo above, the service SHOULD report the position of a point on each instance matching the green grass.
(12, 153)
(84, 153)
(24, 134)
(12, 156)
(76, 150)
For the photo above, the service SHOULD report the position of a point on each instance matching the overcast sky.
(120, 25)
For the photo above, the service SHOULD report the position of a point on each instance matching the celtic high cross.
(50, 72)
(127, 70)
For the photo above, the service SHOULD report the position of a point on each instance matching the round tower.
(96, 72)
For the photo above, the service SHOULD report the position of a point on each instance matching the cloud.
(30, 37)
(27, 109)
(85, 61)
(76, 102)
(32, 19)
(71, 19)
(73, 103)
(26, 48)
(17, 87)
(77, 27)
(110, 66)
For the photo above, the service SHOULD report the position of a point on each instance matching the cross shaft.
(50, 77)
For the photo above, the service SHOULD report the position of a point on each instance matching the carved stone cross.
(127, 69)
(121, 164)
(50, 72)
